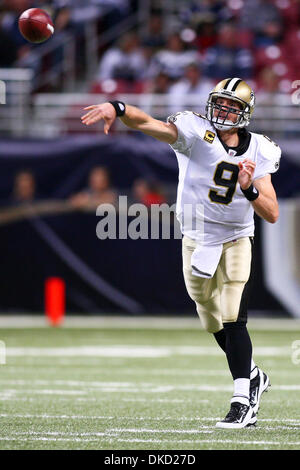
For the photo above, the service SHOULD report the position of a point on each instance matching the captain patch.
(209, 136)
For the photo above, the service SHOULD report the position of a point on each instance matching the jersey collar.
(244, 142)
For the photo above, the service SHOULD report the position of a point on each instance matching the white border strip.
(139, 322)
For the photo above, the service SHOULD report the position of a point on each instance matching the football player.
(225, 171)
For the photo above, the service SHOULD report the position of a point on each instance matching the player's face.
(225, 104)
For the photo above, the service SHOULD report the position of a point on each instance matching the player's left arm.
(266, 205)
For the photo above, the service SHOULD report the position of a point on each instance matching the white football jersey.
(208, 180)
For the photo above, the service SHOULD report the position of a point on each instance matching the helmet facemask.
(214, 112)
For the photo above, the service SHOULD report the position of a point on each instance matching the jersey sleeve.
(187, 130)
(268, 158)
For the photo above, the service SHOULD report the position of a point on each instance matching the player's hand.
(246, 173)
(96, 112)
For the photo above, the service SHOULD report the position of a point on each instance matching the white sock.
(241, 388)
(242, 400)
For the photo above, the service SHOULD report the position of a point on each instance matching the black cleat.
(258, 386)
(239, 416)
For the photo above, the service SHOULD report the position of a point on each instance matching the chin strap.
(223, 126)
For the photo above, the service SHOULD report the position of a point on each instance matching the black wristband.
(119, 106)
(251, 193)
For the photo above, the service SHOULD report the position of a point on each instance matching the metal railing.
(15, 113)
(56, 114)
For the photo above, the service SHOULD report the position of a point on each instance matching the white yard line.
(292, 421)
(50, 439)
(214, 441)
(151, 441)
(139, 322)
(163, 431)
(142, 371)
(42, 392)
(137, 351)
(110, 387)
(71, 383)
(13, 397)
(163, 400)
(112, 431)
(121, 385)
(138, 370)
(115, 432)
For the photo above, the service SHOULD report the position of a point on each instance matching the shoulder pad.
(271, 141)
(268, 156)
(200, 115)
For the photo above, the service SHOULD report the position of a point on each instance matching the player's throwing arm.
(132, 117)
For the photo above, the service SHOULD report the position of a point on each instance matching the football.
(35, 25)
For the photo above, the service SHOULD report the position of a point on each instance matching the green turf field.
(140, 387)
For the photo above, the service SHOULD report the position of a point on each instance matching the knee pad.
(231, 298)
(210, 322)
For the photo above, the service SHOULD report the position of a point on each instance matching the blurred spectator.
(173, 59)
(268, 81)
(12, 9)
(192, 84)
(195, 12)
(256, 13)
(147, 193)
(8, 54)
(60, 12)
(99, 191)
(267, 87)
(122, 68)
(270, 34)
(227, 58)
(125, 61)
(75, 12)
(154, 38)
(26, 55)
(159, 85)
(24, 189)
(206, 35)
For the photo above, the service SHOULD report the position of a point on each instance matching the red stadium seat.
(289, 10)
(245, 39)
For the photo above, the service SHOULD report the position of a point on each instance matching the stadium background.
(55, 171)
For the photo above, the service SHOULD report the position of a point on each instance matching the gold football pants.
(223, 298)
